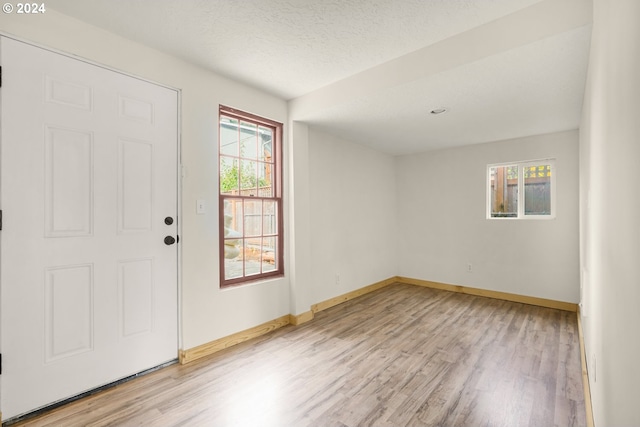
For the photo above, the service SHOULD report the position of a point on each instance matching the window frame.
(276, 196)
(522, 165)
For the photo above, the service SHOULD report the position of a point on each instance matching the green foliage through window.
(230, 177)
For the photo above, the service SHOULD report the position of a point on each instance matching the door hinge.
(0, 363)
(0, 76)
(0, 219)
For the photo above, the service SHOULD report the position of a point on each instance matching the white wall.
(300, 246)
(208, 313)
(609, 213)
(443, 226)
(352, 216)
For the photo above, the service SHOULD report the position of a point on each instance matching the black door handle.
(169, 240)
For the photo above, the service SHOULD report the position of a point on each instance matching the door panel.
(88, 174)
(68, 311)
(135, 186)
(68, 183)
(136, 296)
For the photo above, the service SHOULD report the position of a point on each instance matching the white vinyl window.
(521, 190)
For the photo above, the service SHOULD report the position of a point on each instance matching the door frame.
(179, 175)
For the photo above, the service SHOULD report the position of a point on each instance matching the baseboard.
(299, 319)
(585, 374)
(541, 302)
(209, 348)
(351, 295)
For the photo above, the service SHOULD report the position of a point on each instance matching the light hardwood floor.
(400, 356)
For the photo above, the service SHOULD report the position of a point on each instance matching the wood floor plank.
(400, 356)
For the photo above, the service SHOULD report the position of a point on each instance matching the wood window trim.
(276, 177)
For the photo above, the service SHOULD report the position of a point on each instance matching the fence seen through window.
(521, 190)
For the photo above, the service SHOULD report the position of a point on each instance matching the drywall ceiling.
(370, 71)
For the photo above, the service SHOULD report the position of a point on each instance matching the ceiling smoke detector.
(439, 110)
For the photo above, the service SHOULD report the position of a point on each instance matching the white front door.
(88, 192)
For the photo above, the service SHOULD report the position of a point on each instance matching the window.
(521, 190)
(250, 174)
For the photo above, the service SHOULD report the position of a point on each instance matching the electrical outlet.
(469, 268)
(337, 279)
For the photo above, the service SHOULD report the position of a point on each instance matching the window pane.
(248, 140)
(229, 179)
(269, 252)
(232, 249)
(248, 178)
(537, 190)
(504, 191)
(253, 255)
(233, 243)
(265, 151)
(229, 136)
(252, 268)
(233, 218)
(253, 218)
(265, 187)
(270, 219)
(233, 265)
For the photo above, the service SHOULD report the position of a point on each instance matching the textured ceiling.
(304, 50)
